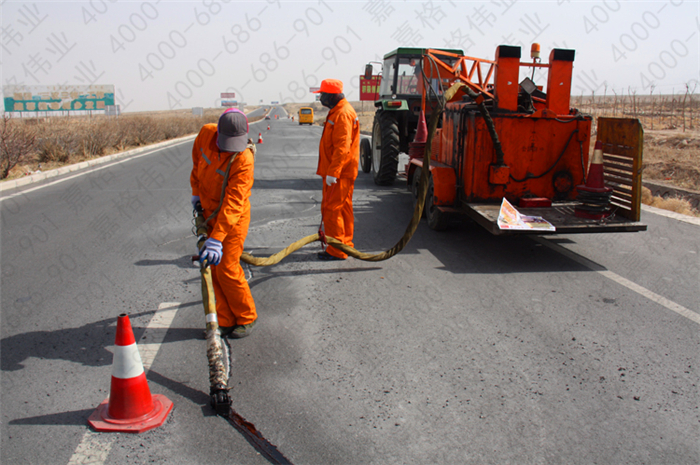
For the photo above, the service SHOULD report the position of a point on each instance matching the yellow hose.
(410, 229)
(273, 259)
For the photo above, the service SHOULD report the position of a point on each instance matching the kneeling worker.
(338, 157)
(219, 149)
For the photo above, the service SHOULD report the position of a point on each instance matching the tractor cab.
(401, 98)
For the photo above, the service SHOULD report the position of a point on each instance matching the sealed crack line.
(256, 439)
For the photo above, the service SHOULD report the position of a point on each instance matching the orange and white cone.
(260, 141)
(130, 407)
(595, 181)
(268, 127)
(416, 149)
(593, 197)
(421, 129)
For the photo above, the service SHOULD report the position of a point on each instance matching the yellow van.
(306, 115)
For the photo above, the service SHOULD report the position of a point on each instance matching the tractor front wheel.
(385, 148)
(365, 155)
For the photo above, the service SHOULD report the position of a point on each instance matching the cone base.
(597, 190)
(103, 423)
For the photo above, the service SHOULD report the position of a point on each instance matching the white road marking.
(681, 310)
(653, 296)
(94, 447)
(82, 168)
(669, 214)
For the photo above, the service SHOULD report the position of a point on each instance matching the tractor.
(503, 136)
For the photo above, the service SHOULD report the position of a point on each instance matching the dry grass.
(677, 205)
(61, 141)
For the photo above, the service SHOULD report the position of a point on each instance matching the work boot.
(327, 257)
(242, 330)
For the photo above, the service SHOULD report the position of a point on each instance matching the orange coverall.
(234, 302)
(338, 156)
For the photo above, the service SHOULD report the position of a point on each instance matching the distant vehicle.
(267, 116)
(306, 115)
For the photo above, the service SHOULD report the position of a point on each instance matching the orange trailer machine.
(501, 136)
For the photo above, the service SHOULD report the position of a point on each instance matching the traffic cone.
(416, 149)
(594, 197)
(595, 182)
(268, 127)
(130, 407)
(260, 138)
(421, 130)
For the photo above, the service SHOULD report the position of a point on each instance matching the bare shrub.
(674, 204)
(96, 138)
(16, 144)
(58, 141)
(143, 131)
(50, 150)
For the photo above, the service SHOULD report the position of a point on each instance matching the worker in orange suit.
(218, 148)
(338, 156)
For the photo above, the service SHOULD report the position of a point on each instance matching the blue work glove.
(195, 201)
(212, 251)
(330, 180)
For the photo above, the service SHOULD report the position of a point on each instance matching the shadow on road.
(75, 417)
(183, 262)
(85, 344)
(79, 417)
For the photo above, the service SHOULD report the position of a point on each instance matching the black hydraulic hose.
(566, 146)
(489, 124)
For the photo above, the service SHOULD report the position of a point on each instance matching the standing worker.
(338, 156)
(221, 180)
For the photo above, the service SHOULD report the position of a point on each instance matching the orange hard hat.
(330, 86)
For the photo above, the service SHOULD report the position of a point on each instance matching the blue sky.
(164, 54)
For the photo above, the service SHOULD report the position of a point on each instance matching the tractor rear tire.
(365, 155)
(385, 148)
(437, 220)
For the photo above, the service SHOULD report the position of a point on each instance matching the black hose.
(489, 124)
(531, 176)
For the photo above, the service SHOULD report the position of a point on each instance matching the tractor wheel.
(365, 155)
(437, 220)
(415, 182)
(385, 148)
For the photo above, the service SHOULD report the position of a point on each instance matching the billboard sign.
(369, 88)
(112, 110)
(57, 98)
(229, 103)
(228, 95)
(314, 89)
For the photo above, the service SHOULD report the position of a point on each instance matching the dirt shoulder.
(672, 156)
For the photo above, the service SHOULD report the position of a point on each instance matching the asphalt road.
(464, 348)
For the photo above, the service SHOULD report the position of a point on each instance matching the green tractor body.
(398, 109)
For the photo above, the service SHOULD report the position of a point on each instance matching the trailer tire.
(385, 148)
(365, 155)
(437, 220)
